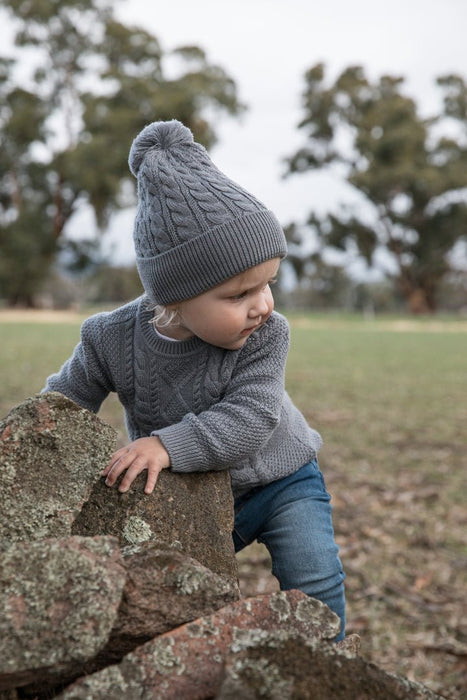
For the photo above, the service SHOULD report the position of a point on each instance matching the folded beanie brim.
(216, 255)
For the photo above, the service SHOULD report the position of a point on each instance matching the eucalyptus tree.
(77, 90)
(410, 171)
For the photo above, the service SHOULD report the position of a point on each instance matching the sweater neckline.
(160, 344)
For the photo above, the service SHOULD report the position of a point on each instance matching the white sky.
(267, 45)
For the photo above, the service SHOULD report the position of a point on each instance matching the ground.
(389, 398)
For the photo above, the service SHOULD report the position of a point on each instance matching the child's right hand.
(145, 453)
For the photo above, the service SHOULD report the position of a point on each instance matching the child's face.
(228, 314)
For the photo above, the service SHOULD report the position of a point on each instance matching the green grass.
(389, 397)
(29, 352)
(401, 394)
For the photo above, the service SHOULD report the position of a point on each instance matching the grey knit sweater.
(211, 408)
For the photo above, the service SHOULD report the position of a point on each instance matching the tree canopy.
(411, 172)
(67, 128)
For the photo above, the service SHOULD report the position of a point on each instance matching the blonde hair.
(162, 317)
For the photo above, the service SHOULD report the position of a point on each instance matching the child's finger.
(153, 475)
(119, 466)
(114, 459)
(137, 465)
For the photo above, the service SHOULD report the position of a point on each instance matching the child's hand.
(146, 453)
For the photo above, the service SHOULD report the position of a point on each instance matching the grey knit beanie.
(194, 227)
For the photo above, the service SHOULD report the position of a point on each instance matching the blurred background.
(349, 120)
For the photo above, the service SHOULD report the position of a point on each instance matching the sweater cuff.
(179, 440)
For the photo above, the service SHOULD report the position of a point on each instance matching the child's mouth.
(247, 331)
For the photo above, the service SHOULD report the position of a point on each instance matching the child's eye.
(236, 297)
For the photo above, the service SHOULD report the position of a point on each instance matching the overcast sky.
(267, 45)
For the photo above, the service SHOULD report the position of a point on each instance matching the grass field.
(389, 397)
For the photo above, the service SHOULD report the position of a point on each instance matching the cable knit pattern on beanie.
(183, 205)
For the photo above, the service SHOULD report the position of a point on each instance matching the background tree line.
(96, 82)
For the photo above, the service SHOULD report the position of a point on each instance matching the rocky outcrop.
(128, 596)
(50, 454)
(190, 512)
(59, 601)
(284, 664)
(275, 646)
(188, 662)
(163, 589)
(72, 606)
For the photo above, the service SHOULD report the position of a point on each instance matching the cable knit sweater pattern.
(212, 408)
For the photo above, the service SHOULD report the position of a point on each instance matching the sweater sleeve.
(84, 377)
(239, 425)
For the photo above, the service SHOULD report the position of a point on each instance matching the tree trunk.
(21, 301)
(420, 301)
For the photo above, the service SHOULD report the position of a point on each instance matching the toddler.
(198, 361)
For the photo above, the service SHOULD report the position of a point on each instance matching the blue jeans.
(292, 517)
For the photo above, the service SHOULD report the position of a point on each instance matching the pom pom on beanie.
(159, 135)
(194, 227)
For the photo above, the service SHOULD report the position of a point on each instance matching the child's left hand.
(145, 453)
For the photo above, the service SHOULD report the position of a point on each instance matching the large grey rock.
(163, 590)
(192, 513)
(58, 604)
(51, 453)
(73, 605)
(188, 662)
(275, 647)
(284, 664)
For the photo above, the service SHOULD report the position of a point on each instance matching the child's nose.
(261, 305)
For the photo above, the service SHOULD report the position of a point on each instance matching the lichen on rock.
(51, 454)
(136, 530)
